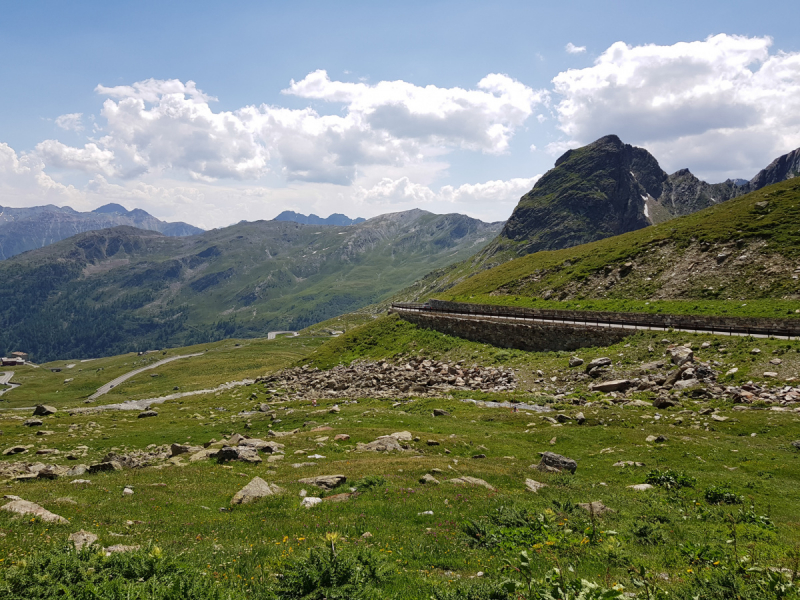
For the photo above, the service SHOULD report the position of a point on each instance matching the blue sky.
(446, 106)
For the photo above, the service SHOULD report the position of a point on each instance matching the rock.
(575, 361)
(555, 463)
(641, 487)
(235, 439)
(438, 412)
(82, 538)
(338, 497)
(597, 508)
(429, 479)
(382, 444)
(796, 444)
(335, 410)
(147, 413)
(732, 371)
(432, 443)
(257, 488)
(770, 374)
(54, 472)
(534, 486)
(264, 407)
(562, 418)
(107, 466)
(658, 439)
(681, 355)
(719, 418)
(755, 351)
(627, 463)
(776, 361)
(615, 385)
(242, 453)
(366, 535)
(178, 449)
(479, 456)
(44, 432)
(33, 423)
(43, 410)
(705, 345)
(275, 458)
(326, 482)
(120, 548)
(665, 402)
(203, 454)
(685, 384)
(127, 491)
(15, 450)
(23, 507)
(402, 436)
(262, 445)
(598, 363)
(580, 418)
(310, 501)
(465, 480)
(341, 437)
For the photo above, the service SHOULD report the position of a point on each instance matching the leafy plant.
(721, 495)
(670, 479)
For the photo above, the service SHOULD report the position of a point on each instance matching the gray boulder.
(42, 410)
(326, 482)
(555, 463)
(257, 488)
(147, 413)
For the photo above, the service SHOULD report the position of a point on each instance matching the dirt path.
(5, 379)
(273, 334)
(115, 382)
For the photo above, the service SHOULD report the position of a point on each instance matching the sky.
(217, 112)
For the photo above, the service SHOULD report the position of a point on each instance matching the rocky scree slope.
(124, 289)
(23, 229)
(748, 247)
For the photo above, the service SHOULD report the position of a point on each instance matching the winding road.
(5, 379)
(115, 382)
(273, 334)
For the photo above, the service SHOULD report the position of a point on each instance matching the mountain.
(745, 248)
(122, 289)
(312, 219)
(23, 229)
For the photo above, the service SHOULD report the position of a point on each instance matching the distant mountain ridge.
(23, 229)
(608, 188)
(312, 219)
(123, 289)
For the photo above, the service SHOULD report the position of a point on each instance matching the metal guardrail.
(730, 326)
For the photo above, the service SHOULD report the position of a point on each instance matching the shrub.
(721, 495)
(669, 479)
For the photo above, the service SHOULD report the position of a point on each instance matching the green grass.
(664, 530)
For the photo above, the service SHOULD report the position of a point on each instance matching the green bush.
(669, 479)
(721, 495)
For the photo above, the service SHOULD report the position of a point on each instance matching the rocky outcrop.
(387, 380)
(256, 489)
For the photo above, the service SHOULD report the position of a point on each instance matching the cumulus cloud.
(23, 181)
(89, 159)
(573, 49)
(688, 98)
(70, 122)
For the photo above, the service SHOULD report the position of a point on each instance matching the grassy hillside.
(745, 249)
(125, 289)
(724, 528)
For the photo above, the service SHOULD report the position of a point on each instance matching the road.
(579, 322)
(115, 382)
(272, 334)
(5, 379)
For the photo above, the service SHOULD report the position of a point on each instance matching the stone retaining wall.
(533, 337)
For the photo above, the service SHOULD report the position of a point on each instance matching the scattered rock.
(103, 467)
(23, 507)
(534, 486)
(43, 410)
(555, 463)
(580, 418)
(382, 444)
(627, 463)
(341, 437)
(15, 450)
(33, 423)
(719, 418)
(681, 355)
(147, 413)
(598, 363)
(438, 412)
(326, 482)
(366, 535)
(82, 538)
(597, 507)
(658, 439)
(427, 478)
(466, 480)
(641, 487)
(241, 453)
(402, 436)
(120, 548)
(575, 361)
(257, 488)
(432, 443)
(479, 456)
(771, 374)
(615, 385)
(665, 402)
(310, 501)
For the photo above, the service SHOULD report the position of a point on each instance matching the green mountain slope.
(746, 248)
(123, 289)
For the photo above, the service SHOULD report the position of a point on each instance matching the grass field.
(710, 529)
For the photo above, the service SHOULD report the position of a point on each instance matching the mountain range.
(23, 229)
(312, 219)
(122, 289)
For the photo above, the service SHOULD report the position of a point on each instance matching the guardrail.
(731, 326)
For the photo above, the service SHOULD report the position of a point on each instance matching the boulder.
(466, 480)
(382, 444)
(681, 355)
(402, 436)
(555, 463)
(427, 478)
(685, 384)
(438, 412)
(310, 501)
(242, 453)
(15, 450)
(641, 487)
(178, 449)
(120, 548)
(658, 439)
(597, 508)
(615, 385)
(580, 418)
(262, 445)
(257, 488)
(341, 437)
(42, 410)
(598, 363)
(326, 482)
(33, 423)
(53, 472)
(82, 538)
(103, 467)
(665, 402)
(23, 507)
(147, 413)
(627, 463)
(575, 361)
(534, 486)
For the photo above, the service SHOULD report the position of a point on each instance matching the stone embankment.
(418, 378)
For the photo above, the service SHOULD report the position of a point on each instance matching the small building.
(11, 361)
(20, 355)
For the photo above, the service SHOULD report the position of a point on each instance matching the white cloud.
(23, 181)
(692, 98)
(573, 49)
(71, 122)
(89, 159)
